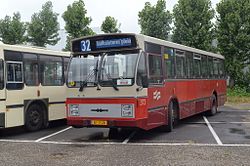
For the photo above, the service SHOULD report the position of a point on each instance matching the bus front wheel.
(171, 118)
(34, 118)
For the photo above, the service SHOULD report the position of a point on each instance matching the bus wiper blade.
(85, 82)
(114, 85)
(111, 80)
(82, 85)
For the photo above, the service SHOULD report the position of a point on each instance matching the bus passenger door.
(2, 95)
(156, 92)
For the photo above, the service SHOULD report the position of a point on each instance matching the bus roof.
(149, 39)
(141, 39)
(32, 49)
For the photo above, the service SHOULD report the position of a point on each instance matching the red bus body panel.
(193, 97)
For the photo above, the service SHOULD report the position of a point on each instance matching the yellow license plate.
(99, 122)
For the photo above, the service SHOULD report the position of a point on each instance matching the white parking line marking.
(51, 135)
(212, 131)
(127, 139)
(217, 123)
(119, 143)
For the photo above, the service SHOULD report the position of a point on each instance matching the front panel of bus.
(107, 88)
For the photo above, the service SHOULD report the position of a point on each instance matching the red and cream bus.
(131, 80)
(32, 86)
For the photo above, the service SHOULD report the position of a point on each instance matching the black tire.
(113, 133)
(170, 119)
(34, 118)
(214, 106)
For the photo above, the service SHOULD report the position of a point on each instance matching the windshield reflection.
(109, 69)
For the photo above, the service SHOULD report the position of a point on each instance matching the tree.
(110, 25)
(233, 34)
(193, 23)
(77, 23)
(12, 31)
(43, 28)
(155, 20)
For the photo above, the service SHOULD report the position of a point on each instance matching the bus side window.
(14, 70)
(180, 64)
(169, 61)
(65, 67)
(204, 66)
(51, 70)
(190, 66)
(210, 67)
(1, 74)
(197, 66)
(141, 78)
(216, 67)
(30, 62)
(222, 69)
(155, 69)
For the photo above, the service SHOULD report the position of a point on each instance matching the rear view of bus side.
(130, 80)
(32, 86)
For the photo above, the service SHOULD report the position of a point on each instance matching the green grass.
(238, 95)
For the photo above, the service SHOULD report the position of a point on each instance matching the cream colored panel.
(14, 117)
(57, 111)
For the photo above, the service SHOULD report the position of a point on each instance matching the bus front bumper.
(139, 123)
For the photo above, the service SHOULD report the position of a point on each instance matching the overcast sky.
(125, 11)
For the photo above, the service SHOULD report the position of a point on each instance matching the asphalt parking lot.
(229, 128)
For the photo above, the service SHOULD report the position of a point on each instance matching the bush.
(238, 91)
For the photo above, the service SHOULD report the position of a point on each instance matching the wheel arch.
(175, 101)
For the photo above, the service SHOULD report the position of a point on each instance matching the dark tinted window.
(153, 48)
(180, 64)
(51, 70)
(204, 68)
(169, 61)
(1, 74)
(30, 69)
(216, 67)
(65, 67)
(190, 66)
(210, 67)
(197, 66)
(222, 69)
(155, 69)
(141, 70)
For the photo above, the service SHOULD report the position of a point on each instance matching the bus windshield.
(104, 69)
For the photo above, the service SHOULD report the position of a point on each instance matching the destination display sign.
(103, 42)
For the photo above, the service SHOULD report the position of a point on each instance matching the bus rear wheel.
(214, 107)
(34, 118)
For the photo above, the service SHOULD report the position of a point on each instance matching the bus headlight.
(74, 109)
(127, 110)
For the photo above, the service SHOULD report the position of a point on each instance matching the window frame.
(155, 76)
(197, 57)
(41, 72)
(38, 68)
(180, 54)
(2, 78)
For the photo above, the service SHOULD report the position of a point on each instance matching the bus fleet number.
(85, 45)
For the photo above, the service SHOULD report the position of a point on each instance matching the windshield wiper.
(84, 83)
(110, 80)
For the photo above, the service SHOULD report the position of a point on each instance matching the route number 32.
(85, 45)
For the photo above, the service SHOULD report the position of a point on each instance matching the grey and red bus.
(131, 80)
